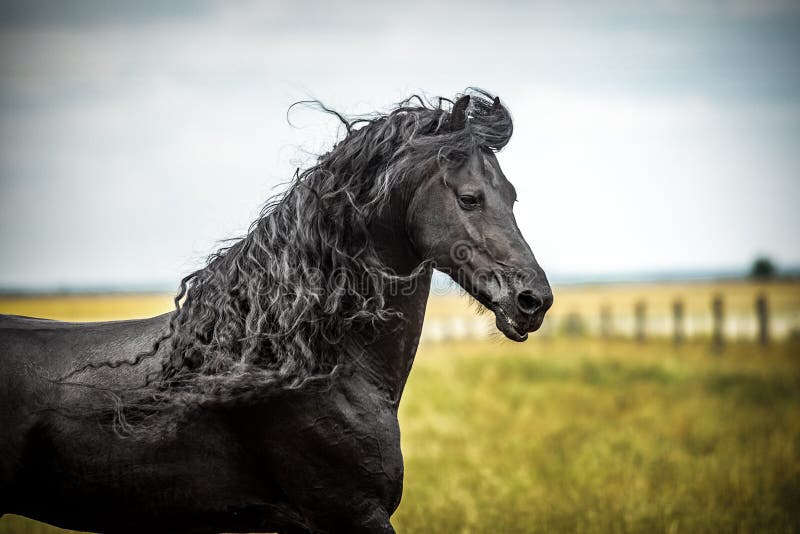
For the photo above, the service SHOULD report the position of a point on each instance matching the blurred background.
(656, 155)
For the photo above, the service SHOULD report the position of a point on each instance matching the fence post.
(762, 315)
(605, 322)
(677, 315)
(640, 311)
(573, 325)
(718, 318)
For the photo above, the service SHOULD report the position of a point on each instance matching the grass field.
(558, 435)
(593, 437)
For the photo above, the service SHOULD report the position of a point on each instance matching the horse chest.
(338, 452)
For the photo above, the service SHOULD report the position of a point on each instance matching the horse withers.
(267, 401)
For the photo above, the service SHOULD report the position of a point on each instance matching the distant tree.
(763, 269)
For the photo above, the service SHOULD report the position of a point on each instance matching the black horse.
(267, 401)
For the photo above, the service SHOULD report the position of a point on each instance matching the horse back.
(37, 354)
(62, 346)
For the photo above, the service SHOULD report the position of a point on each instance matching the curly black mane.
(305, 289)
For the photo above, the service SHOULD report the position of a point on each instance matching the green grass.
(596, 437)
(591, 436)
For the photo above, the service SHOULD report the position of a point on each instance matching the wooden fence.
(717, 325)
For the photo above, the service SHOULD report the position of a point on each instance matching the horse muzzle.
(518, 315)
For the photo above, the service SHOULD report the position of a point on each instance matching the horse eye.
(468, 201)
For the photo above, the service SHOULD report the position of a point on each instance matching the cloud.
(647, 136)
(623, 184)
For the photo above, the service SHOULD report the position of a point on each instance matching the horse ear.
(458, 115)
(496, 104)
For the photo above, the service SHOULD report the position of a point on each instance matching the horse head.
(462, 218)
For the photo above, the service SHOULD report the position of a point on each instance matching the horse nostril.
(528, 302)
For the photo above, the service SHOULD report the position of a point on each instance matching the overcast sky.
(649, 136)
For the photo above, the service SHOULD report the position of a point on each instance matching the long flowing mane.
(305, 289)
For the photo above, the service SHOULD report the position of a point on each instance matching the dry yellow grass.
(79, 308)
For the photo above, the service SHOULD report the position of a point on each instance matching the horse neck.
(390, 356)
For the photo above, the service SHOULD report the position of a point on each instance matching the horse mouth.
(508, 326)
